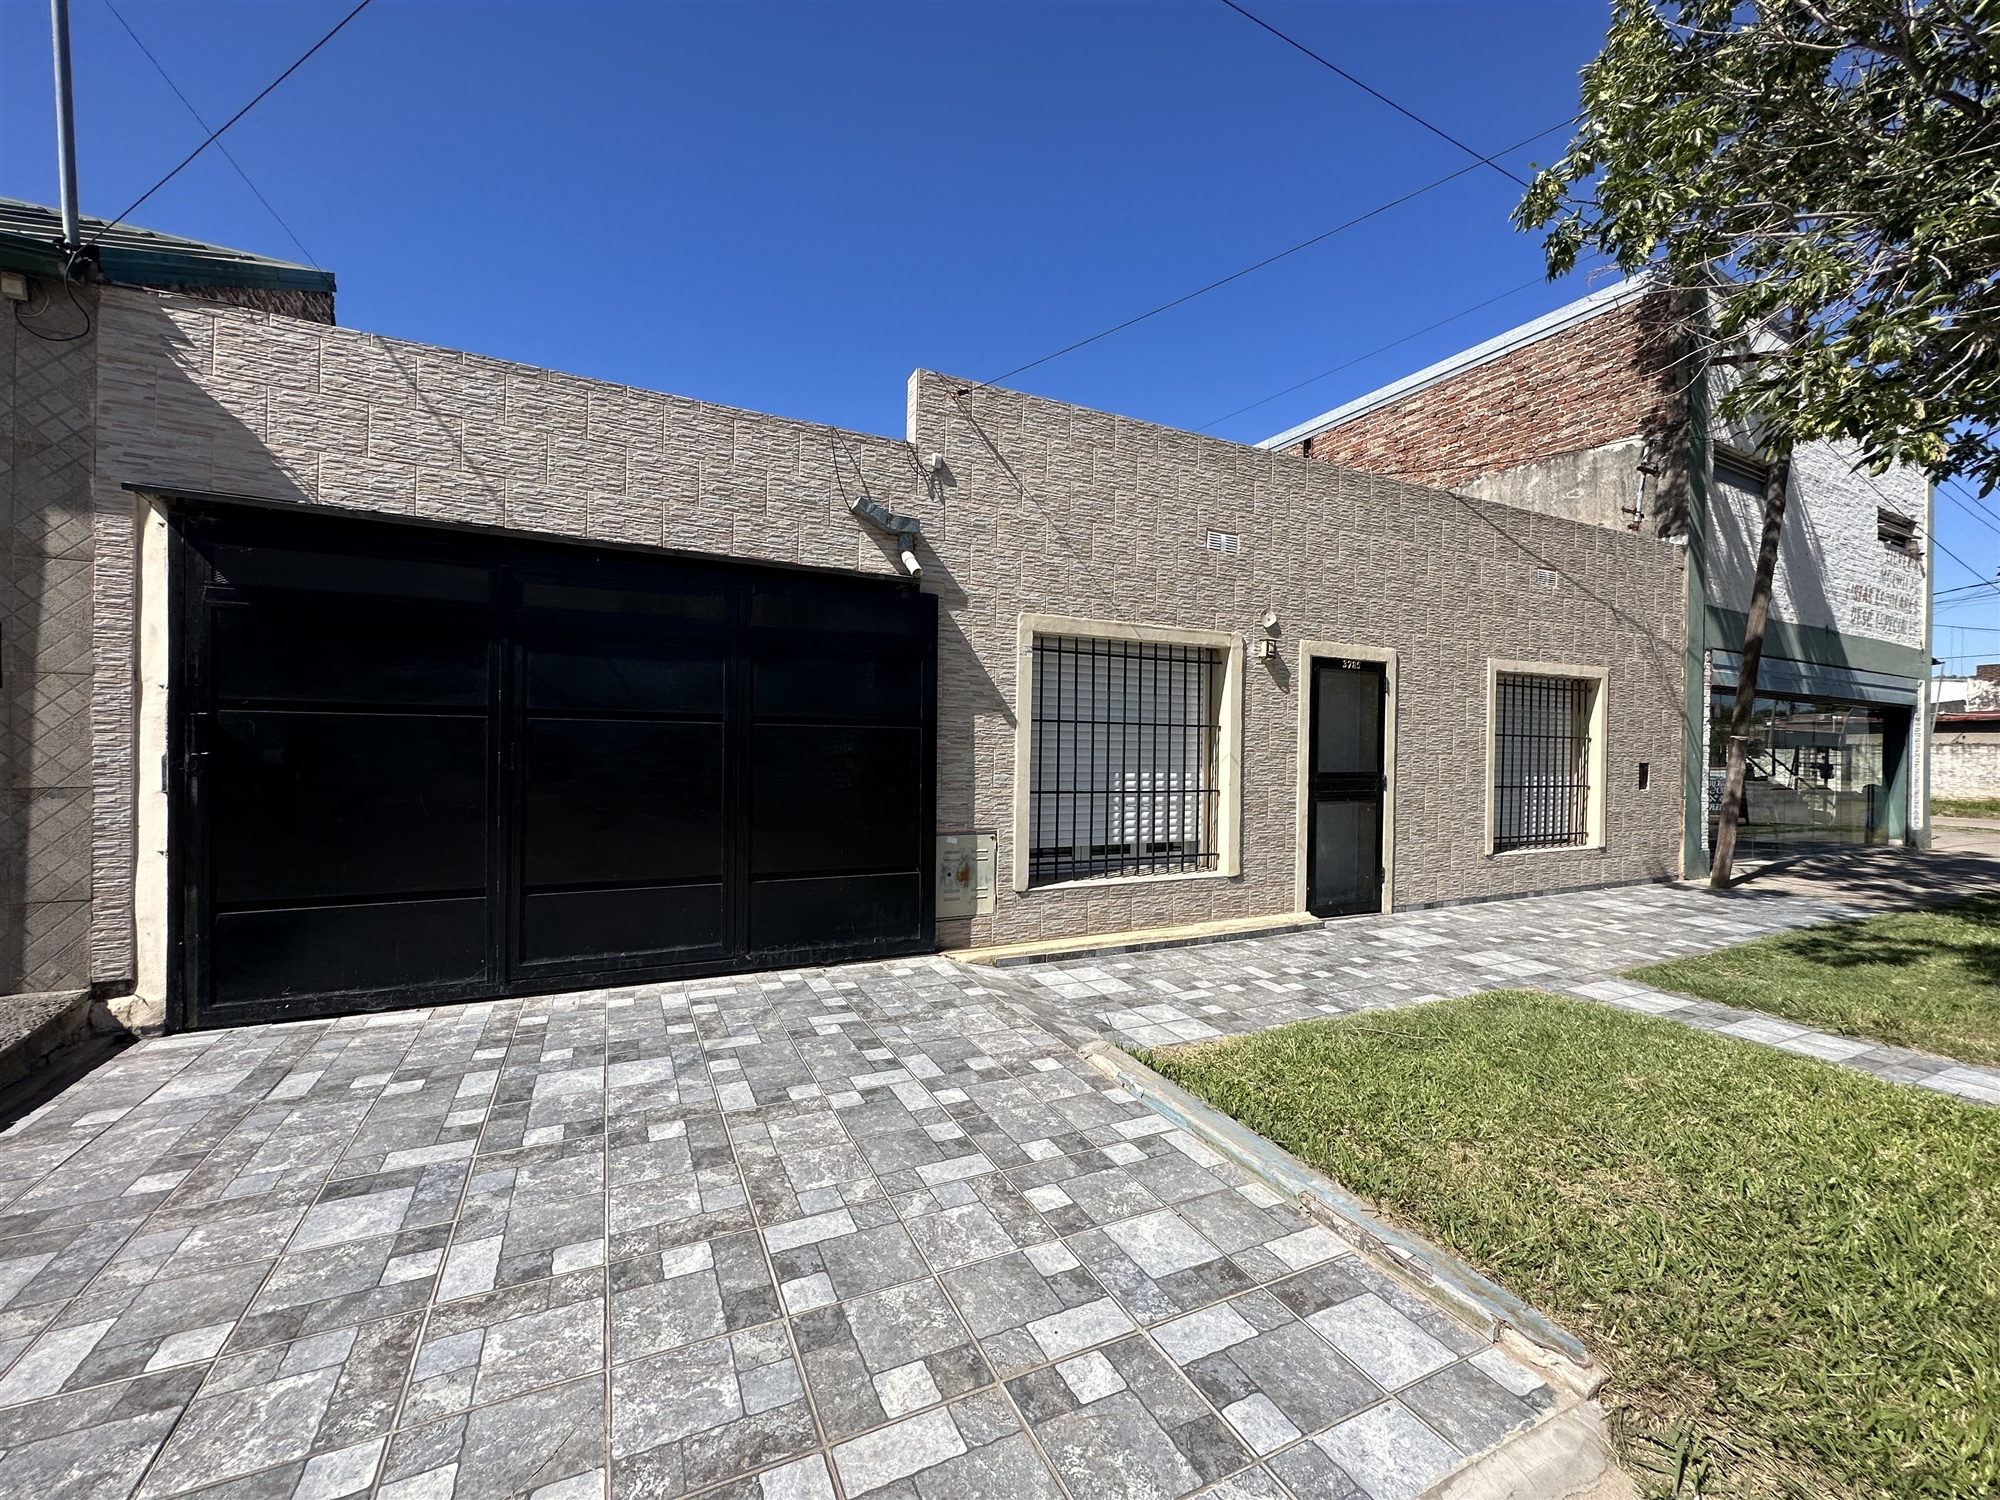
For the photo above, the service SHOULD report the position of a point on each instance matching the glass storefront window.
(1818, 771)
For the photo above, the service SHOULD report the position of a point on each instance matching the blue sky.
(789, 207)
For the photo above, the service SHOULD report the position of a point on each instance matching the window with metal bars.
(1541, 761)
(1122, 776)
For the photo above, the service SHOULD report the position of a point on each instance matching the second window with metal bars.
(1541, 761)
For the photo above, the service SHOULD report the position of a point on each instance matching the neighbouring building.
(1979, 693)
(1965, 735)
(346, 672)
(1594, 413)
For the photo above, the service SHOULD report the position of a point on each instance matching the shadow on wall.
(48, 397)
(1802, 552)
(1799, 593)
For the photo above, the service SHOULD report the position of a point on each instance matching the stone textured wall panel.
(1098, 516)
(47, 661)
(1049, 509)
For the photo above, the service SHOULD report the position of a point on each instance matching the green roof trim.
(31, 241)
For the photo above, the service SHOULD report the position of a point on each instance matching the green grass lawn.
(1791, 1270)
(1924, 979)
(1965, 807)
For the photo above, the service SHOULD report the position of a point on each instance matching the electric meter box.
(965, 864)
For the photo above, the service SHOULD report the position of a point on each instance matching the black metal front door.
(411, 767)
(1344, 814)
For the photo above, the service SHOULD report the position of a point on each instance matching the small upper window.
(1899, 532)
(1742, 473)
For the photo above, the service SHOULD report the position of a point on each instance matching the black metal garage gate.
(410, 766)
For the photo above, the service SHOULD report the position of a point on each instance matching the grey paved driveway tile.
(1942, 1075)
(95, 1444)
(524, 1446)
(1159, 998)
(748, 1238)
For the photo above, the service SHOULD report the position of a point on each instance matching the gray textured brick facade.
(1046, 509)
(1098, 515)
(47, 401)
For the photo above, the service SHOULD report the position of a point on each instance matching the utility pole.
(1775, 484)
(65, 126)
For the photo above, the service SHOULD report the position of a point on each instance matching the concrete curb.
(1141, 940)
(35, 1026)
(1563, 1458)
(1436, 1273)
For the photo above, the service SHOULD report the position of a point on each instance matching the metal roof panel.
(31, 240)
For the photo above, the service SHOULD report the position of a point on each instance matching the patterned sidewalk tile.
(877, 1228)
(872, 1231)
(1568, 943)
(1167, 996)
(1976, 1085)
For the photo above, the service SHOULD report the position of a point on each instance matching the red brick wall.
(1602, 380)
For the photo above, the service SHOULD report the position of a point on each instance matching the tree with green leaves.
(1830, 174)
(1820, 184)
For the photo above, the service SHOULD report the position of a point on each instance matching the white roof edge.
(1576, 312)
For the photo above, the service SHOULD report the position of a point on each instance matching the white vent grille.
(1224, 541)
(1545, 578)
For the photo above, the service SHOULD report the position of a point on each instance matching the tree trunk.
(1737, 764)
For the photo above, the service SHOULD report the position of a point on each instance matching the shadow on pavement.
(1961, 864)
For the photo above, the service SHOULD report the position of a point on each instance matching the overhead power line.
(1976, 515)
(1966, 588)
(1976, 502)
(1869, 480)
(216, 134)
(227, 154)
(1382, 349)
(1977, 505)
(1270, 260)
(1935, 542)
(1983, 602)
(1375, 93)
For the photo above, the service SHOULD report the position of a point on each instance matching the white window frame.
(1228, 742)
(1600, 694)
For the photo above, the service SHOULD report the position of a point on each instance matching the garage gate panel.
(411, 767)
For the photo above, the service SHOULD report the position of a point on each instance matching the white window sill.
(1596, 848)
(1098, 882)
